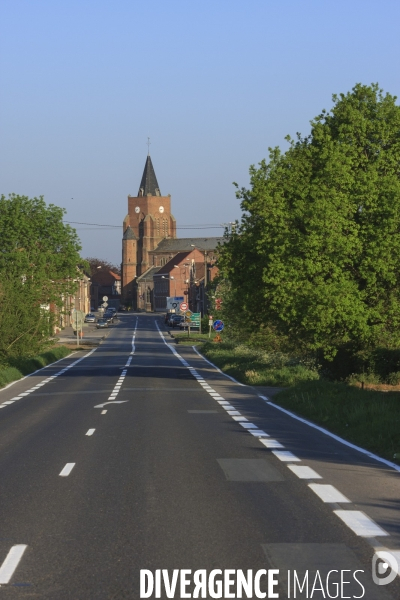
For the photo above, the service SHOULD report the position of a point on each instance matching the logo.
(384, 568)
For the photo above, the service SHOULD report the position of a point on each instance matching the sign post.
(210, 324)
(77, 322)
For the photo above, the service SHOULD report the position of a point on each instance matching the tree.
(317, 253)
(97, 264)
(39, 259)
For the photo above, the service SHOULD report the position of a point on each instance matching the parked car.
(90, 318)
(101, 323)
(167, 316)
(109, 317)
(175, 320)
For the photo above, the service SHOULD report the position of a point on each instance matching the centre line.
(11, 563)
(90, 432)
(67, 469)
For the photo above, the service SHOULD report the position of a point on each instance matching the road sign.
(173, 302)
(218, 325)
(105, 304)
(184, 306)
(188, 313)
(105, 298)
(210, 321)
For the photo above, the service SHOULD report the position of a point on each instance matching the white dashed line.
(304, 472)
(358, 522)
(259, 433)
(11, 562)
(103, 412)
(271, 443)
(286, 456)
(90, 432)
(67, 469)
(328, 493)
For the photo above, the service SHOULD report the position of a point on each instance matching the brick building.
(149, 244)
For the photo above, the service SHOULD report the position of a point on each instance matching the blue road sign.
(218, 325)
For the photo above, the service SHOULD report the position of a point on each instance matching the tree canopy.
(317, 252)
(39, 260)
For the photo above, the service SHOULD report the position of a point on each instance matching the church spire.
(149, 184)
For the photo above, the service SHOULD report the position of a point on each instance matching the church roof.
(129, 234)
(149, 184)
(186, 244)
(148, 275)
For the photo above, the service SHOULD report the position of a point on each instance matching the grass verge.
(257, 367)
(193, 338)
(367, 418)
(19, 367)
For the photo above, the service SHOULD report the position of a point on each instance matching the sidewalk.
(91, 335)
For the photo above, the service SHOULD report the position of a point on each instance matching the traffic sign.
(218, 325)
(105, 298)
(105, 304)
(188, 313)
(184, 306)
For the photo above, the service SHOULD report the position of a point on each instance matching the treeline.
(314, 264)
(39, 261)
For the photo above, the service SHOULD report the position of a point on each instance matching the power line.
(205, 226)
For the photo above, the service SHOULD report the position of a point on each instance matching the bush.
(19, 367)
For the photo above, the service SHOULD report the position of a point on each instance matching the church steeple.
(149, 184)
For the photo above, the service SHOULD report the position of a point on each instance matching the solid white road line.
(11, 562)
(286, 456)
(90, 432)
(360, 523)
(67, 469)
(328, 493)
(304, 472)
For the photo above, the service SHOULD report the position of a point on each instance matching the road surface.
(140, 456)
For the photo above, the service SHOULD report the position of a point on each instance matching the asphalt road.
(141, 456)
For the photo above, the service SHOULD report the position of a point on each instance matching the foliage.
(97, 264)
(315, 258)
(19, 367)
(39, 258)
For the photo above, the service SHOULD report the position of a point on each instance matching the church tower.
(149, 220)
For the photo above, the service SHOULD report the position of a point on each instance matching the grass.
(19, 367)
(257, 367)
(367, 418)
(194, 338)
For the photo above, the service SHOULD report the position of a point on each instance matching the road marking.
(67, 469)
(9, 401)
(111, 402)
(103, 412)
(358, 522)
(248, 425)
(259, 433)
(327, 493)
(272, 443)
(11, 562)
(239, 418)
(304, 472)
(90, 432)
(233, 412)
(286, 456)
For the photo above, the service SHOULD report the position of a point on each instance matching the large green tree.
(317, 253)
(39, 259)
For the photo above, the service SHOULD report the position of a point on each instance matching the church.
(151, 251)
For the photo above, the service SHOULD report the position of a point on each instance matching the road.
(141, 456)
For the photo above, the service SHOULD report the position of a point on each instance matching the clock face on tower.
(161, 209)
(137, 209)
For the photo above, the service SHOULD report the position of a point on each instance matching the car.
(109, 317)
(167, 316)
(175, 320)
(90, 318)
(101, 323)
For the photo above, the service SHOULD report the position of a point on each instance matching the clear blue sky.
(213, 83)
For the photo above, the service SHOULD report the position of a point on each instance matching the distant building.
(104, 283)
(150, 245)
